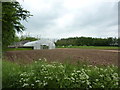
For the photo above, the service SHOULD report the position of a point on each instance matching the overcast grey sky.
(71, 18)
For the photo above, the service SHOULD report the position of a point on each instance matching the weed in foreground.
(41, 74)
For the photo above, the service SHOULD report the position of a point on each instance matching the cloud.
(70, 18)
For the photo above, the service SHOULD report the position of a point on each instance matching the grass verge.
(15, 49)
(89, 47)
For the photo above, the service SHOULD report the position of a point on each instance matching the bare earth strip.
(111, 50)
(94, 56)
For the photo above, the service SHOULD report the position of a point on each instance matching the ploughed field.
(72, 55)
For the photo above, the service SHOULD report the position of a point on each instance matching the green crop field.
(15, 49)
(89, 47)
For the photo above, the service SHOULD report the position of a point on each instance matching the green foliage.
(87, 41)
(41, 74)
(10, 72)
(22, 38)
(12, 14)
(16, 38)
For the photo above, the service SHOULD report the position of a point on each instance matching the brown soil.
(93, 56)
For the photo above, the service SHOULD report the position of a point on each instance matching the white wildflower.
(88, 83)
(101, 69)
(72, 74)
(96, 67)
(50, 66)
(39, 59)
(74, 70)
(113, 65)
(21, 74)
(96, 80)
(42, 65)
(45, 77)
(115, 74)
(116, 83)
(45, 84)
(82, 69)
(82, 81)
(90, 86)
(102, 86)
(32, 84)
(27, 80)
(89, 65)
(50, 78)
(37, 81)
(45, 59)
(21, 78)
(105, 70)
(24, 80)
(102, 75)
(78, 71)
(87, 76)
(25, 84)
(61, 66)
(72, 78)
(84, 65)
(35, 61)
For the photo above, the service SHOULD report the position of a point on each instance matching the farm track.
(93, 56)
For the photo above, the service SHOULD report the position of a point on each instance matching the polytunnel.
(41, 44)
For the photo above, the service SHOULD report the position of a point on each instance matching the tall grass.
(41, 74)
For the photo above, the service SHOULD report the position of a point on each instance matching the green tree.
(12, 14)
(22, 38)
(16, 38)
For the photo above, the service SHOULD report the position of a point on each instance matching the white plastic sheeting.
(39, 44)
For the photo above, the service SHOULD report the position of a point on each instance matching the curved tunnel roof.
(41, 42)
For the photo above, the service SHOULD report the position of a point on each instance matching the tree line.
(87, 41)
